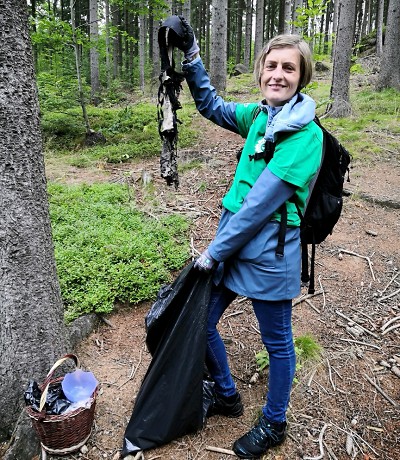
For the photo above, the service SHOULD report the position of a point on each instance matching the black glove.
(180, 35)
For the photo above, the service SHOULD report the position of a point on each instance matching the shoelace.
(261, 430)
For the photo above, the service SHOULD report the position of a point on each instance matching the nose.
(277, 73)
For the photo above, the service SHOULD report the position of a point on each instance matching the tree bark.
(379, 28)
(32, 333)
(218, 49)
(248, 34)
(94, 53)
(287, 15)
(259, 38)
(340, 89)
(389, 75)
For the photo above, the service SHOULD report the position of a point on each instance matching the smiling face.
(280, 75)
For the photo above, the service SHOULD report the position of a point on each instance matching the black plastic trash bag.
(170, 401)
(56, 402)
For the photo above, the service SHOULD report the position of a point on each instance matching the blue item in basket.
(79, 385)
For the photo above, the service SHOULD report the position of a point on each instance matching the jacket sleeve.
(208, 103)
(266, 196)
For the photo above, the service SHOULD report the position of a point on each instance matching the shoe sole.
(252, 457)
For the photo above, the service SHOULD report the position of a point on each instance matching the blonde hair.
(287, 41)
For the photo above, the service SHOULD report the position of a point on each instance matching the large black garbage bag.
(170, 401)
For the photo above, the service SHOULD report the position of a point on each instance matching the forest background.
(96, 67)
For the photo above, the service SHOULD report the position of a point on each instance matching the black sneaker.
(229, 406)
(259, 439)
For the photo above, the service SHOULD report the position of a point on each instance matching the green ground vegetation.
(107, 251)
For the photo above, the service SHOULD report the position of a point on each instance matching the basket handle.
(46, 383)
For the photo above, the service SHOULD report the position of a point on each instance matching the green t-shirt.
(296, 159)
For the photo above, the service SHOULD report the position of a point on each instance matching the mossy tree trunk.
(32, 331)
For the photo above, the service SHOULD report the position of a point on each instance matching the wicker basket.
(62, 434)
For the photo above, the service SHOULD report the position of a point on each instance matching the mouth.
(276, 86)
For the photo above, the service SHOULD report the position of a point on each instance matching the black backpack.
(325, 200)
(324, 204)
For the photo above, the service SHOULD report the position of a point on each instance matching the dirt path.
(345, 406)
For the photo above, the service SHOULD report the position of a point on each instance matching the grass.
(306, 348)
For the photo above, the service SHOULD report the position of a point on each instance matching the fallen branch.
(351, 253)
(305, 297)
(354, 322)
(308, 302)
(388, 323)
(377, 387)
(360, 343)
(388, 296)
(321, 446)
(220, 450)
(396, 371)
(390, 329)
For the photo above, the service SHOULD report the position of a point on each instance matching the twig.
(194, 251)
(323, 292)
(390, 282)
(133, 372)
(360, 343)
(388, 296)
(388, 323)
(239, 312)
(321, 447)
(388, 398)
(390, 329)
(330, 374)
(305, 297)
(359, 325)
(351, 253)
(220, 450)
(329, 450)
(311, 377)
(308, 302)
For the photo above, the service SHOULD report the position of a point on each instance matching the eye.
(290, 68)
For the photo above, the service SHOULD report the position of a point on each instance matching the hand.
(182, 35)
(205, 262)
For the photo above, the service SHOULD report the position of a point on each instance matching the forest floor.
(344, 406)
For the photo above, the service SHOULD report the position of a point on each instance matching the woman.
(245, 252)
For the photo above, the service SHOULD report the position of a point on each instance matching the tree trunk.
(32, 333)
(379, 28)
(108, 47)
(142, 49)
(297, 5)
(94, 53)
(340, 92)
(248, 35)
(116, 22)
(78, 68)
(259, 38)
(155, 56)
(218, 49)
(287, 15)
(389, 76)
(239, 40)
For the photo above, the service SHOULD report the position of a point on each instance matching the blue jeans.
(275, 322)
